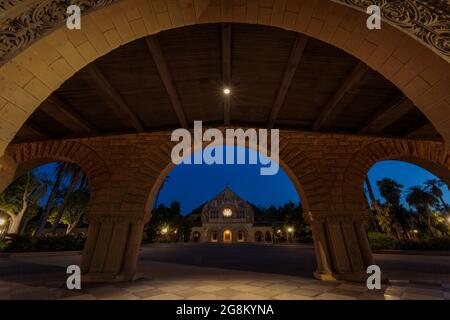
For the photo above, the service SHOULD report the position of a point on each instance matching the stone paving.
(165, 281)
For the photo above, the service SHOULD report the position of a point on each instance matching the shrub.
(25, 243)
(381, 241)
(435, 243)
(307, 238)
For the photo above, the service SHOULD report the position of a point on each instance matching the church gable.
(227, 205)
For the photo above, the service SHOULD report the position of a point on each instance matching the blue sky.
(193, 184)
(196, 184)
(404, 173)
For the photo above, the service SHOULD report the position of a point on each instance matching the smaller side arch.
(30, 155)
(432, 156)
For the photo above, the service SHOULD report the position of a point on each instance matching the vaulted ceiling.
(278, 79)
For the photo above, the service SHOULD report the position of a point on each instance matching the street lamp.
(164, 230)
(2, 227)
(290, 230)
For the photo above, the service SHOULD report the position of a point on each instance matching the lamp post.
(3, 222)
(290, 230)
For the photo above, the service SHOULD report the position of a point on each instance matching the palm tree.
(422, 200)
(373, 204)
(166, 180)
(384, 219)
(434, 186)
(78, 179)
(390, 190)
(61, 171)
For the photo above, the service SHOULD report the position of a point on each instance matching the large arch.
(300, 169)
(421, 72)
(118, 211)
(341, 248)
(434, 157)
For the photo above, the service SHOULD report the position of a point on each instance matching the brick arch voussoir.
(311, 182)
(157, 163)
(91, 163)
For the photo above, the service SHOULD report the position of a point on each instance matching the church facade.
(227, 218)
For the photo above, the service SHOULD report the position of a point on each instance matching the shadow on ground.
(278, 259)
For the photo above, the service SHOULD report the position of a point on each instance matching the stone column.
(325, 270)
(364, 242)
(112, 247)
(341, 245)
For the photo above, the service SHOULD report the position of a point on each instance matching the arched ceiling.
(278, 78)
(24, 21)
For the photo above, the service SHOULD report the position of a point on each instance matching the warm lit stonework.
(344, 98)
(328, 171)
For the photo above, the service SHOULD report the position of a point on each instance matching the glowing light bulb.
(226, 91)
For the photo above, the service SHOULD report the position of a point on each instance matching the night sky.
(193, 185)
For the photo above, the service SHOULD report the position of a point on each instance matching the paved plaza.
(198, 272)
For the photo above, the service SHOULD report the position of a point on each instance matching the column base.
(107, 277)
(360, 277)
(348, 276)
(325, 276)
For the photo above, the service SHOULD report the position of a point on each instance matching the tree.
(78, 179)
(62, 171)
(59, 174)
(422, 201)
(74, 209)
(434, 186)
(20, 198)
(390, 190)
(166, 180)
(373, 204)
(384, 219)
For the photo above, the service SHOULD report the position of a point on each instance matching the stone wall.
(327, 169)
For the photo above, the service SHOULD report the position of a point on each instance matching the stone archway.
(420, 72)
(330, 187)
(31, 76)
(434, 157)
(24, 157)
(341, 247)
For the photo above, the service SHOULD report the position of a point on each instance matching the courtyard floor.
(221, 272)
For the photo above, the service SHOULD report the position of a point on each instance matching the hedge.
(25, 243)
(380, 241)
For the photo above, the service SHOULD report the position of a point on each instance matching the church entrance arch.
(227, 236)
